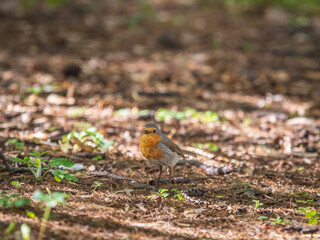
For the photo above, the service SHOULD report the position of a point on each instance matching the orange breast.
(148, 143)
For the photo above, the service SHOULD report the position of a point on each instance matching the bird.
(160, 149)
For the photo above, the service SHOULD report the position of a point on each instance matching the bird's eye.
(154, 131)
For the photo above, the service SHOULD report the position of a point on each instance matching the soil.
(261, 75)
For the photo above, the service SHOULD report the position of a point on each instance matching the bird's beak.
(146, 132)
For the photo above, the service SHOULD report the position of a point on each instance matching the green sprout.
(163, 114)
(96, 158)
(177, 193)
(18, 145)
(162, 193)
(13, 200)
(262, 218)
(257, 203)
(212, 147)
(280, 221)
(25, 231)
(9, 230)
(310, 213)
(35, 90)
(37, 165)
(51, 200)
(81, 139)
(96, 185)
(17, 184)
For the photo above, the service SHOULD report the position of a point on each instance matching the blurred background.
(204, 54)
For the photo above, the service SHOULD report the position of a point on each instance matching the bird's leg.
(170, 173)
(160, 172)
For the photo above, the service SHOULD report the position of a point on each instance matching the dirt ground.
(258, 72)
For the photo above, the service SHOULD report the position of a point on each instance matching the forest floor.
(253, 79)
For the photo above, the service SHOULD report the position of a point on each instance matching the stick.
(208, 170)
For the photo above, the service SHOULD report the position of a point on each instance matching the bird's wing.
(171, 145)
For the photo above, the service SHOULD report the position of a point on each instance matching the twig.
(208, 170)
(158, 94)
(15, 169)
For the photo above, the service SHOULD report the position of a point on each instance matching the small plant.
(310, 213)
(25, 231)
(257, 203)
(36, 164)
(9, 230)
(280, 221)
(96, 158)
(35, 90)
(31, 214)
(60, 174)
(18, 145)
(311, 201)
(162, 193)
(51, 200)
(164, 114)
(96, 185)
(212, 147)
(177, 193)
(13, 200)
(89, 140)
(17, 184)
(262, 218)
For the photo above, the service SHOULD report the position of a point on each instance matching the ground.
(256, 74)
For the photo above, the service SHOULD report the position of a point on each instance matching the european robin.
(159, 149)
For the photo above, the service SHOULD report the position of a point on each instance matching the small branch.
(158, 94)
(15, 169)
(208, 170)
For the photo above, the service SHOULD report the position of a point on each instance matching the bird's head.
(152, 129)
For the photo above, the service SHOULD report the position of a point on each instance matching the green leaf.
(51, 200)
(263, 218)
(213, 147)
(96, 158)
(122, 112)
(71, 177)
(61, 161)
(313, 221)
(35, 154)
(31, 214)
(57, 178)
(144, 112)
(14, 195)
(311, 213)
(21, 202)
(162, 190)
(180, 115)
(16, 160)
(106, 144)
(10, 228)
(39, 196)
